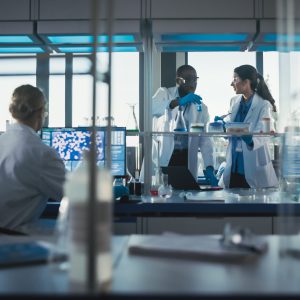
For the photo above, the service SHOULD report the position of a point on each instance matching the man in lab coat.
(164, 109)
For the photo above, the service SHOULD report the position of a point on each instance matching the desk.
(138, 276)
(177, 206)
(261, 212)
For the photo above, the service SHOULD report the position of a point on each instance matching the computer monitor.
(71, 142)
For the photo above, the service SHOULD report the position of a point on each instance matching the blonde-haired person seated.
(30, 171)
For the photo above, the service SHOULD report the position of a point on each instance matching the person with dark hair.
(30, 171)
(165, 106)
(248, 161)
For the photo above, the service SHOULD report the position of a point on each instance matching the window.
(215, 71)
(125, 88)
(271, 74)
(14, 71)
(57, 67)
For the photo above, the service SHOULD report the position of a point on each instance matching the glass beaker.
(165, 189)
(155, 183)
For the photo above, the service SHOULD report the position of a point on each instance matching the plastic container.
(215, 127)
(237, 127)
(266, 125)
(197, 127)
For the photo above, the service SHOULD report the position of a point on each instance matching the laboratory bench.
(268, 275)
(262, 213)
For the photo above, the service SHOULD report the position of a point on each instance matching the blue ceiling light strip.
(230, 37)
(88, 39)
(75, 49)
(21, 50)
(126, 38)
(70, 39)
(281, 38)
(279, 48)
(15, 39)
(202, 48)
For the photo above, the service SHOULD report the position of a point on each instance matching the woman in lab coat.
(30, 171)
(248, 161)
(164, 109)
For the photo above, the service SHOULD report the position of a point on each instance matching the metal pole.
(68, 90)
(146, 27)
(91, 283)
(110, 9)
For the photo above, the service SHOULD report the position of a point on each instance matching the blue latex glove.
(120, 190)
(190, 98)
(247, 139)
(217, 118)
(210, 175)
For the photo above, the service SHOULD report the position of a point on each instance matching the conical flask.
(132, 123)
(180, 122)
(180, 141)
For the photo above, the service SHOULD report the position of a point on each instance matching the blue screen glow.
(70, 143)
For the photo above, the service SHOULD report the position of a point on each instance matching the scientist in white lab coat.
(30, 171)
(164, 109)
(248, 161)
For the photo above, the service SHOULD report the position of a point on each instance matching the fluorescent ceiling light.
(21, 50)
(201, 48)
(230, 37)
(279, 48)
(88, 39)
(100, 49)
(283, 38)
(15, 39)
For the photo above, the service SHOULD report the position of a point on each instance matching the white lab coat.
(30, 173)
(259, 171)
(163, 118)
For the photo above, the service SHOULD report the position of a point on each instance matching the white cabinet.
(286, 225)
(125, 226)
(193, 225)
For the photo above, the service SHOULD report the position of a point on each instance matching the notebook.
(186, 247)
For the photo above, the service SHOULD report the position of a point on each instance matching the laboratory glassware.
(132, 123)
(165, 189)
